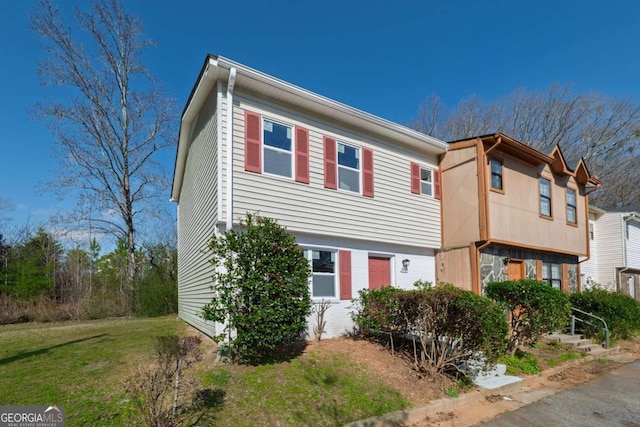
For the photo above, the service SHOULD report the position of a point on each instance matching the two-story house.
(359, 193)
(510, 212)
(615, 250)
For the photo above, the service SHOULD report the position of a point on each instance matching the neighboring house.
(360, 193)
(510, 212)
(615, 249)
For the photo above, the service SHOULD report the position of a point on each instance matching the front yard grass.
(81, 366)
(311, 390)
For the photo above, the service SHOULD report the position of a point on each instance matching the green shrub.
(260, 290)
(535, 308)
(621, 312)
(450, 325)
(453, 325)
(376, 311)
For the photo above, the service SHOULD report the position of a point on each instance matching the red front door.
(379, 272)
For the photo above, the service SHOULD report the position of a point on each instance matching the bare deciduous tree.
(605, 131)
(112, 124)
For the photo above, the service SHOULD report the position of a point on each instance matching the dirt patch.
(396, 372)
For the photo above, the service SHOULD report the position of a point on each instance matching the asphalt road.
(612, 400)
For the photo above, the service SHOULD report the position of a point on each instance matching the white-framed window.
(545, 197)
(348, 167)
(426, 181)
(277, 148)
(571, 206)
(552, 274)
(591, 231)
(323, 277)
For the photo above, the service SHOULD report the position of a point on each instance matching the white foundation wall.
(338, 316)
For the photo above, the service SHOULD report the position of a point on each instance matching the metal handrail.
(605, 328)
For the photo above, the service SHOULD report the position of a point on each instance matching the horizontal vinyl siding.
(609, 244)
(197, 219)
(633, 245)
(394, 215)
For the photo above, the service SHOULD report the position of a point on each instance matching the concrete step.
(495, 378)
(578, 343)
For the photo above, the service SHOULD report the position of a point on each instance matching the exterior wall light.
(405, 265)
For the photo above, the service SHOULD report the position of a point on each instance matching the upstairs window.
(591, 231)
(552, 274)
(348, 167)
(277, 146)
(496, 174)
(545, 197)
(571, 206)
(426, 181)
(269, 148)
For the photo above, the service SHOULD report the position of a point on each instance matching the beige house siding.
(515, 215)
(461, 225)
(197, 212)
(454, 266)
(394, 215)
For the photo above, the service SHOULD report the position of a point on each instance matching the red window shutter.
(252, 146)
(330, 163)
(345, 274)
(302, 155)
(415, 178)
(436, 184)
(367, 172)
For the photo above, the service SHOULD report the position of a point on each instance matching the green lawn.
(77, 365)
(81, 366)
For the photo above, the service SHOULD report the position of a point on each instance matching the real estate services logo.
(31, 416)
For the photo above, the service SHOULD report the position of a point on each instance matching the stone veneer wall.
(493, 269)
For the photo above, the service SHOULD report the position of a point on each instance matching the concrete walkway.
(473, 408)
(612, 400)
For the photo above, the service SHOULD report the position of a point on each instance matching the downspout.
(498, 142)
(229, 138)
(219, 142)
(624, 248)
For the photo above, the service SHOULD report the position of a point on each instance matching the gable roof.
(554, 156)
(217, 69)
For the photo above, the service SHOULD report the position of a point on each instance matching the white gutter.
(229, 138)
(215, 71)
(219, 142)
(329, 103)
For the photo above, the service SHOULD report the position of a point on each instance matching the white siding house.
(359, 193)
(615, 250)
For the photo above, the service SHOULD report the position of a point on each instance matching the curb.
(414, 415)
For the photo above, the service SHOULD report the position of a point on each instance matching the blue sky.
(379, 56)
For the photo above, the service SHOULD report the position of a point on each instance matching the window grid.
(348, 167)
(552, 274)
(426, 181)
(496, 174)
(323, 277)
(571, 206)
(545, 197)
(277, 148)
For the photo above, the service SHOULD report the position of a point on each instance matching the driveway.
(612, 400)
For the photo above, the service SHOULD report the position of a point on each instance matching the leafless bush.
(158, 389)
(319, 311)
